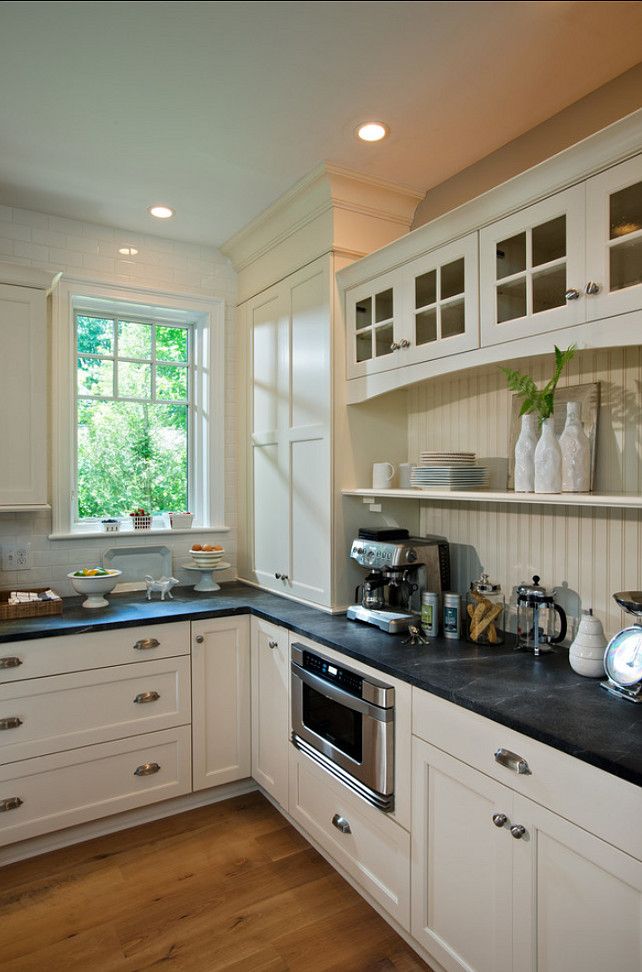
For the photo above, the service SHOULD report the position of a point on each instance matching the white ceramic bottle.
(576, 452)
(586, 654)
(548, 460)
(525, 454)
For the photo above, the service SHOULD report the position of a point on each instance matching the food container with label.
(430, 613)
(452, 614)
(485, 611)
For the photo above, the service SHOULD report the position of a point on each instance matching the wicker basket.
(30, 609)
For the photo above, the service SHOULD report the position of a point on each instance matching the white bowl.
(207, 558)
(95, 587)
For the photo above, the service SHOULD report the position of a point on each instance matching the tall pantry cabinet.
(292, 397)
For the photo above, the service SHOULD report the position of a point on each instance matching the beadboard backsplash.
(587, 553)
(88, 250)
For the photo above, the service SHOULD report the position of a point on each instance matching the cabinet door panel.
(221, 701)
(310, 525)
(527, 263)
(310, 349)
(461, 864)
(23, 395)
(270, 703)
(578, 900)
(270, 512)
(374, 326)
(614, 240)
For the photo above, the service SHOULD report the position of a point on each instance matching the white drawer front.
(556, 780)
(92, 649)
(376, 851)
(68, 711)
(85, 784)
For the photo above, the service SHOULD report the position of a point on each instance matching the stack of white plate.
(449, 471)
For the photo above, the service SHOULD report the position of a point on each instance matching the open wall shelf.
(614, 501)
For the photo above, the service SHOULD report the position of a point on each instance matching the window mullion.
(153, 362)
(115, 378)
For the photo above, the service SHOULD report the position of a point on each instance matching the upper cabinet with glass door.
(441, 291)
(614, 241)
(532, 274)
(373, 326)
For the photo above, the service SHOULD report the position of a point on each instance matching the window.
(138, 408)
(133, 416)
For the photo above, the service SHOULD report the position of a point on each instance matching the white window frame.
(207, 315)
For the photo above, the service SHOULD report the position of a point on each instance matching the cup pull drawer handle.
(146, 769)
(512, 761)
(146, 643)
(11, 722)
(341, 824)
(11, 662)
(147, 697)
(273, 644)
(11, 803)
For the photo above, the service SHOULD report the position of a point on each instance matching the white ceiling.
(218, 108)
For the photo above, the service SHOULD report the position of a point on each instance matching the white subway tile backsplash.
(27, 217)
(12, 231)
(32, 251)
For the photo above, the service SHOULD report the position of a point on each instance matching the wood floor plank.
(231, 886)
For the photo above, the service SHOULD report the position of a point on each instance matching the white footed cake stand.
(207, 582)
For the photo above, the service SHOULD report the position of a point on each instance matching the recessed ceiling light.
(128, 250)
(161, 212)
(372, 131)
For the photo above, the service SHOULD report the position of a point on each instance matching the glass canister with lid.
(485, 611)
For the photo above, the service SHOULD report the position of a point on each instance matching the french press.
(536, 610)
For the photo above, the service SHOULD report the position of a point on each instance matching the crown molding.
(325, 189)
(33, 277)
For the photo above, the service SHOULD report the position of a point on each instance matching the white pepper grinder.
(586, 654)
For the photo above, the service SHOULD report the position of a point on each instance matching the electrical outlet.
(23, 556)
(8, 556)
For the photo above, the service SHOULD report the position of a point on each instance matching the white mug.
(382, 475)
(405, 472)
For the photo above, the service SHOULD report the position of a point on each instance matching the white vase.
(548, 460)
(586, 654)
(525, 454)
(576, 452)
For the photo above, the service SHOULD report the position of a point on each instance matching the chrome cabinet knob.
(572, 294)
(143, 697)
(199, 639)
(395, 346)
(145, 643)
(11, 662)
(11, 803)
(146, 769)
(592, 288)
(341, 824)
(11, 722)
(518, 831)
(404, 343)
(500, 819)
(273, 644)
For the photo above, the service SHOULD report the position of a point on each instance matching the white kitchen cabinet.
(289, 465)
(532, 269)
(221, 738)
(461, 864)
(23, 396)
(441, 302)
(375, 326)
(270, 708)
(45, 794)
(366, 842)
(614, 241)
(502, 884)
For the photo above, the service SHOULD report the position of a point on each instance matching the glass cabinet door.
(614, 240)
(444, 311)
(532, 269)
(372, 326)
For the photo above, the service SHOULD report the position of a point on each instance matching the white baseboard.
(401, 931)
(122, 821)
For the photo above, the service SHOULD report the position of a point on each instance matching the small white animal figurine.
(164, 585)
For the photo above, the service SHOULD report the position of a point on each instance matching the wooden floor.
(230, 886)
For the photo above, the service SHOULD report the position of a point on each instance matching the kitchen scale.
(623, 655)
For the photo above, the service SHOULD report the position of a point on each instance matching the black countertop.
(541, 697)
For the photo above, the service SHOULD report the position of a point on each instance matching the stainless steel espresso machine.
(400, 568)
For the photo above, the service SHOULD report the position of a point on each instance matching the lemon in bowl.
(95, 582)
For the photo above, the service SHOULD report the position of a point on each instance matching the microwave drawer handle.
(338, 695)
(512, 761)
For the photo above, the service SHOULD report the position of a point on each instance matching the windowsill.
(154, 532)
